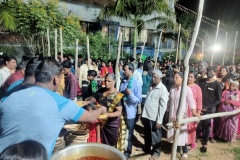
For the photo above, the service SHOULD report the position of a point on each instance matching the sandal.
(154, 157)
(184, 156)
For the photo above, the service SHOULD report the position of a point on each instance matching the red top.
(12, 78)
(110, 69)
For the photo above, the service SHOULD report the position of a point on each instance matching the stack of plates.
(77, 133)
(60, 144)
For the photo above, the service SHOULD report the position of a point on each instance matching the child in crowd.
(110, 68)
(93, 85)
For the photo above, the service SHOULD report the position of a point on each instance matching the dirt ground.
(216, 151)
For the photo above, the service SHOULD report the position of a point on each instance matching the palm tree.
(134, 10)
(7, 19)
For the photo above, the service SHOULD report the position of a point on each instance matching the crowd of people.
(38, 96)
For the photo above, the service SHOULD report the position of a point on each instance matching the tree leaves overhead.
(7, 20)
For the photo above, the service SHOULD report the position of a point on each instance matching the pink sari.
(197, 95)
(229, 124)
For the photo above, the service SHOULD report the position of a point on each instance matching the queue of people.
(36, 105)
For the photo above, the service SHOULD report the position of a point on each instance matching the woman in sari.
(111, 99)
(229, 124)
(197, 95)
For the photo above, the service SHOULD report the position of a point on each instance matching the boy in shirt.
(93, 85)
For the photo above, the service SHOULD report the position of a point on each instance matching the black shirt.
(211, 95)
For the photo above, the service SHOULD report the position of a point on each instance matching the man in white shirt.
(5, 72)
(83, 81)
(153, 112)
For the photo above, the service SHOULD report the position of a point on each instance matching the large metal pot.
(88, 149)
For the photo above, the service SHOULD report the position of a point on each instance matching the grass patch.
(236, 152)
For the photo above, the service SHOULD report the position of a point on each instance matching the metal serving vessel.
(88, 149)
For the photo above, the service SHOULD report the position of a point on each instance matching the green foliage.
(34, 18)
(7, 50)
(99, 47)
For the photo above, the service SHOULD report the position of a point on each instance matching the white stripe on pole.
(88, 53)
(61, 44)
(215, 41)
(179, 32)
(48, 39)
(55, 31)
(76, 57)
(225, 49)
(234, 49)
(117, 72)
(156, 54)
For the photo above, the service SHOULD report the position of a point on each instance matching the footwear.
(203, 149)
(154, 157)
(193, 146)
(212, 140)
(184, 156)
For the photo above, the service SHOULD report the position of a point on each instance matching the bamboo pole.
(48, 39)
(208, 116)
(145, 39)
(179, 32)
(180, 49)
(234, 49)
(225, 48)
(88, 53)
(186, 66)
(117, 62)
(76, 57)
(43, 45)
(55, 44)
(61, 44)
(156, 54)
(215, 41)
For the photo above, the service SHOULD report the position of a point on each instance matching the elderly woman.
(111, 99)
(172, 108)
(229, 124)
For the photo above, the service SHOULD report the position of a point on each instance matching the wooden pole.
(234, 49)
(145, 39)
(179, 32)
(202, 50)
(88, 53)
(55, 31)
(43, 45)
(156, 53)
(117, 62)
(215, 41)
(76, 57)
(186, 67)
(48, 39)
(208, 116)
(61, 44)
(225, 48)
(180, 49)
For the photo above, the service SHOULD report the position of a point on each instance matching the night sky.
(227, 11)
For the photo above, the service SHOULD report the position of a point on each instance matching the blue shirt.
(36, 114)
(131, 101)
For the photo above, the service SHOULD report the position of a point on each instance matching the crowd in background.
(148, 91)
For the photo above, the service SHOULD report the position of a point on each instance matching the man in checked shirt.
(71, 83)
